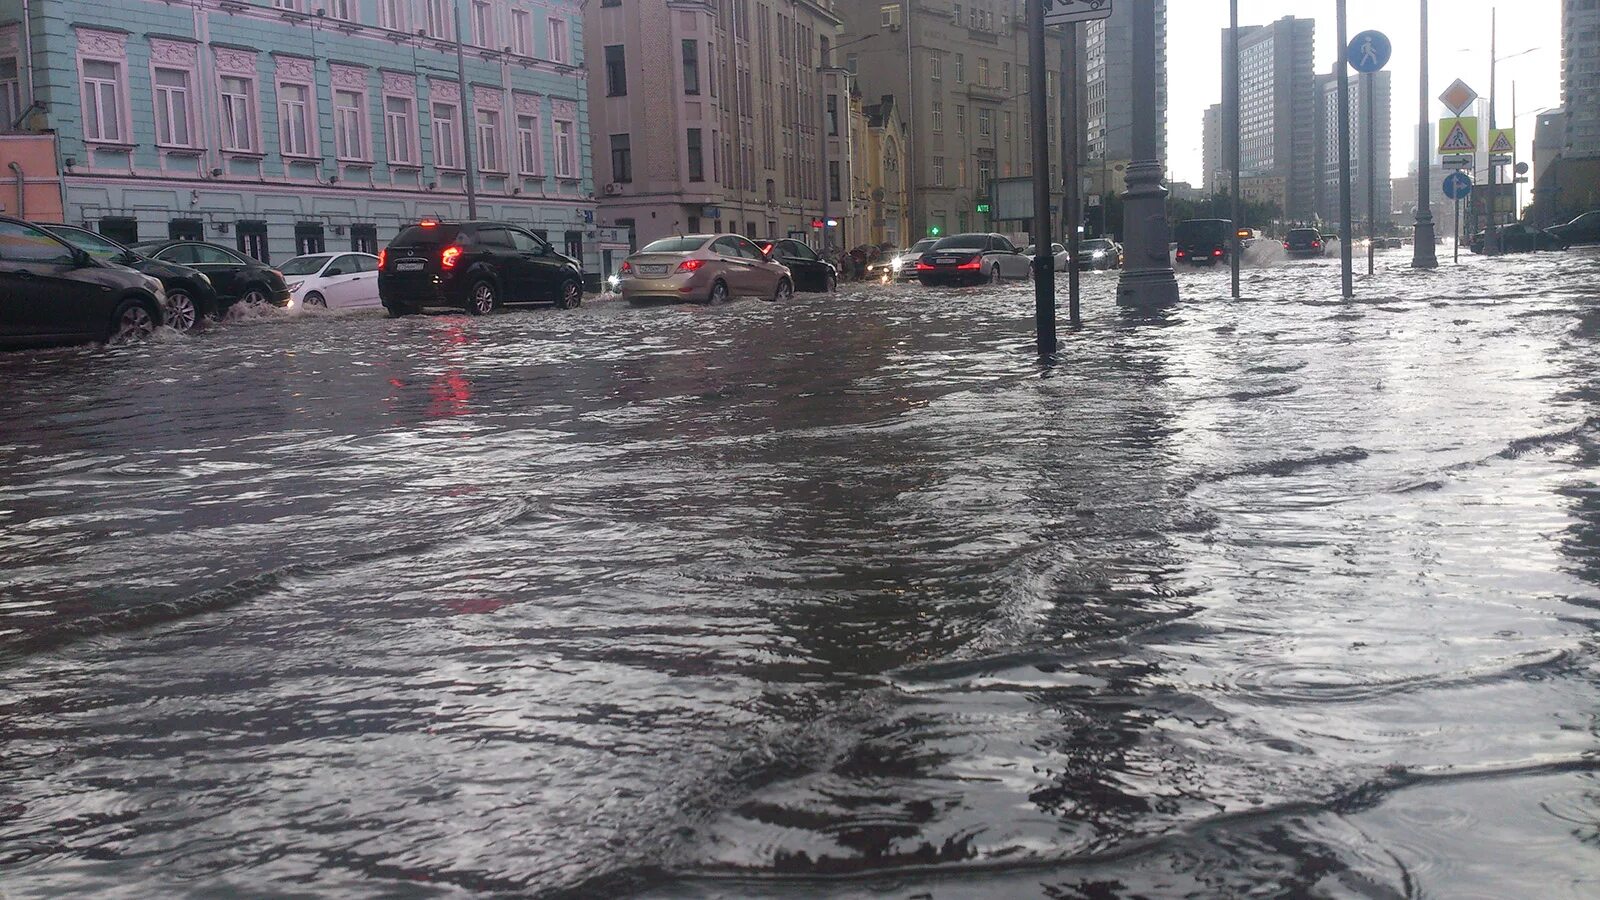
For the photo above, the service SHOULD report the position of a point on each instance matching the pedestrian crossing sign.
(1457, 135)
(1503, 140)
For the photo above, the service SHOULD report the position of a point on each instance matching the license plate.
(409, 265)
(652, 270)
(944, 261)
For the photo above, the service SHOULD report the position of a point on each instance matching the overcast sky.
(1459, 48)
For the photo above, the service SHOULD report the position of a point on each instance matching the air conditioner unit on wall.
(613, 189)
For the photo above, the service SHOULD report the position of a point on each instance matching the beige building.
(707, 115)
(958, 74)
(881, 175)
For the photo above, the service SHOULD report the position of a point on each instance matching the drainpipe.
(27, 46)
(22, 191)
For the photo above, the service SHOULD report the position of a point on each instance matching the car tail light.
(1286, 245)
(691, 265)
(627, 267)
(971, 264)
(924, 267)
(1316, 245)
(450, 257)
(1216, 253)
(1182, 254)
(383, 257)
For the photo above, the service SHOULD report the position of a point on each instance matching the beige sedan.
(704, 268)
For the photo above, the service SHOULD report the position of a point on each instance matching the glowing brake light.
(429, 223)
(1316, 245)
(924, 267)
(1286, 245)
(1216, 253)
(971, 265)
(383, 257)
(691, 265)
(1182, 254)
(450, 257)
(627, 267)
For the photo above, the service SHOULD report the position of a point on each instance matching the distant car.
(190, 298)
(1519, 237)
(1205, 242)
(235, 277)
(967, 259)
(1056, 250)
(1585, 229)
(474, 266)
(52, 292)
(1388, 243)
(334, 280)
(902, 264)
(704, 268)
(1304, 243)
(1099, 253)
(810, 272)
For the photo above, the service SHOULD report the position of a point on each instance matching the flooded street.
(842, 597)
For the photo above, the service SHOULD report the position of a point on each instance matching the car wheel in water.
(254, 298)
(181, 314)
(785, 291)
(481, 301)
(317, 300)
(396, 312)
(830, 284)
(994, 275)
(570, 295)
(131, 322)
(719, 294)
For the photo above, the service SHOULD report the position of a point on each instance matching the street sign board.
(1503, 140)
(1369, 51)
(1458, 135)
(1457, 186)
(1011, 199)
(1458, 162)
(1065, 12)
(1458, 97)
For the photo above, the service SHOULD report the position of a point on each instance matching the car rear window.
(963, 242)
(675, 245)
(425, 234)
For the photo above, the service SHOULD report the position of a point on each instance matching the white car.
(333, 280)
(1057, 250)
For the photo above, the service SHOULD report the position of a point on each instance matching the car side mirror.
(332, 272)
(81, 258)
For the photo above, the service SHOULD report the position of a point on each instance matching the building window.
(489, 141)
(610, 2)
(186, 230)
(935, 68)
(566, 149)
(342, 9)
(616, 71)
(438, 13)
(102, 100)
(172, 108)
(694, 224)
(309, 238)
(961, 119)
(400, 129)
(961, 69)
(528, 156)
(622, 158)
(121, 229)
(938, 171)
(833, 115)
(392, 14)
(10, 93)
(294, 119)
(350, 125)
(691, 67)
(697, 163)
(574, 244)
(833, 180)
(938, 117)
(253, 240)
(983, 71)
(483, 24)
(1005, 75)
(238, 114)
(364, 238)
(558, 40)
(522, 32)
(985, 122)
(446, 144)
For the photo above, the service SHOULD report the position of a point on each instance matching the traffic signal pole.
(1044, 269)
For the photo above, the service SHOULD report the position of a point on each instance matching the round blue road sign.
(1457, 186)
(1369, 51)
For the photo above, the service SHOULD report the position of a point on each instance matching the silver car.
(704, 268)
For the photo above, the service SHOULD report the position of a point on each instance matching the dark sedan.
(51, 292)
(1518, 238)
(236, 278)
(1585, 229)
(968, 259)
(811, 273)
(190, 297)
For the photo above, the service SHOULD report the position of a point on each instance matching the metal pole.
(1069, 163)
(1147, 279)
(1369, 109)
(1347, 281)
(1044, 269)
(466, 117)
(1233, 127)
(912, 147)
(827, 180)
(1491, 240)
(1516, 183)
(1457, 227)
(1423, 254)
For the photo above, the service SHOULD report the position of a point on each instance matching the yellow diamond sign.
(1458, 135)
(1503, 141)
(1457, 97)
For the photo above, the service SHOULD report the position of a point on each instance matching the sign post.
(1044, 268)
(1071, 12)
(1458, 187)
(1346, 282)
(1368, 53)
(1423, 254)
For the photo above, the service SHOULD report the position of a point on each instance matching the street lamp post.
(1148, 280)
(831, 125)
(471, 176)
(1233, 142)
(1423, 255)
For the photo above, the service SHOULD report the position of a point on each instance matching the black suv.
(474, 266)
(1303, 243)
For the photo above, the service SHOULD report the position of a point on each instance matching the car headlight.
(1099, 254)
(896, 263)
(614, 281)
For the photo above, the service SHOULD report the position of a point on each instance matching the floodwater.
(845, 597)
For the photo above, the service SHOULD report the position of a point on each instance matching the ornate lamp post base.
(1147, 278)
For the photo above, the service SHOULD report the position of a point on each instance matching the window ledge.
(302, 160)
(404, 167)
(256, 155)
(181, 151)
(356, 163)
(113, 146)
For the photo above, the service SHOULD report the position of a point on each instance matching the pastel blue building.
(290, 126)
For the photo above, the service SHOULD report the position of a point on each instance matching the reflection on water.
(1283, 596)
